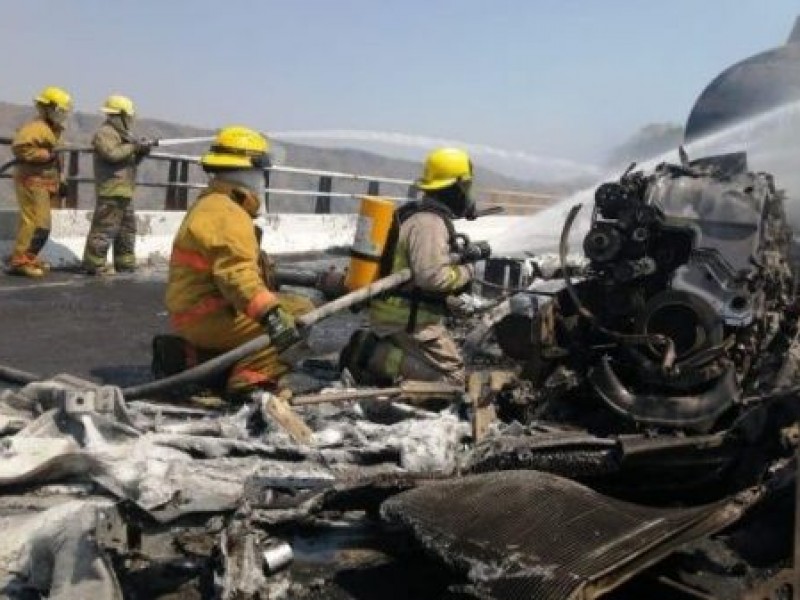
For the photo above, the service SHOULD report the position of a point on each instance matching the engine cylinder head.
(611, 199)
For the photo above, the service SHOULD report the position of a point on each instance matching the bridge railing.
(179, 183)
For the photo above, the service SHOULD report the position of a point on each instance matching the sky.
(558, 78)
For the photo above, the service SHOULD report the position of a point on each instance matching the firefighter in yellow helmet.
(216, 296)
(407, 338)
(117, 153)
(37, 179)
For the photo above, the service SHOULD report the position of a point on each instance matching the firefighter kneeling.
(216, 297)
(407, 338)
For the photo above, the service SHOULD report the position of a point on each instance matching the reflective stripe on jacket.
(114, 163)
(214, 262)
(423, 244)
(33, 146)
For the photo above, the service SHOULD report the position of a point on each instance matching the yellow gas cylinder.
(372, 231)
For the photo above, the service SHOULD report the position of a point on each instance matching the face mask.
(55, 115)
(120, 122)
(470, 209)
(457, 199)
(252, 179)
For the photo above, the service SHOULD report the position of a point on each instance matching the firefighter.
(116, 155)
(37, 179)
(216, 296)
(407, 338)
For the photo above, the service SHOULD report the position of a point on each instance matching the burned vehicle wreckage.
(662, 369)
(683, 306)
(633, 434)
(676, 336)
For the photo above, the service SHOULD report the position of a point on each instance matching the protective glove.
(280, 327)
(466, 304)
(144, 146)
(476, 251)
(331, 283)
(459, 305)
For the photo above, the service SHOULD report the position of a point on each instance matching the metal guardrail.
(177, 186)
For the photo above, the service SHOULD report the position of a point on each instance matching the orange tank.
(374, 221)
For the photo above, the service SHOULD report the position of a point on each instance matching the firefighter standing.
(407, 337)
(37, 179)
(216, 297)
(116, 155)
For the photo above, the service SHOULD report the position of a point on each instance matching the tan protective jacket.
(423, 244)
(214, 262)
(115, 163)
(34, 147)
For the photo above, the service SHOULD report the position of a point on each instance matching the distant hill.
(82, 125)
(650, 141)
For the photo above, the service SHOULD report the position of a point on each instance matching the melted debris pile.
(97, 491)
(630, 429)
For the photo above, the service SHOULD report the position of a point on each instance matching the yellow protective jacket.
(214, 262)
(34, 147)
(423, 244)
(115, 162)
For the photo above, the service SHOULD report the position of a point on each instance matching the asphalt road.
(101, 328)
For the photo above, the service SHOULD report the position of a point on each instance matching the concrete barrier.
(283, 233)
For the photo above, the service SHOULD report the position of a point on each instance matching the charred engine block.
(686, 289)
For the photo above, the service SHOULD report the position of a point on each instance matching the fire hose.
(161, 142)
(224, 361)
(297, 277)
(18, 376)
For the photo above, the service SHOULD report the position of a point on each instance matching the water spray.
(763, 136)
(565, 167)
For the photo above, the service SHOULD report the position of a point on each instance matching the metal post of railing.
(170, 198)
(183, 192)
(73, 171)
(323, 204)
(374, 188)
(267, 177)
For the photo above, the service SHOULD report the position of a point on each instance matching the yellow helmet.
(54, 96)
(236, 147)
(443, 168)
(118, 105)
